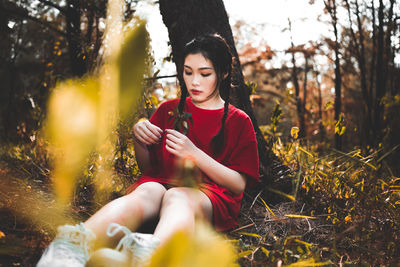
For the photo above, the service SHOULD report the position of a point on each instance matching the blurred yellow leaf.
(2, 235)
(329, 105)
(73, 112)
(154, 101)
(132, 67)
(204, 247)
(72, 129)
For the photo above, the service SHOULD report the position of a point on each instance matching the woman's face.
(201, 80)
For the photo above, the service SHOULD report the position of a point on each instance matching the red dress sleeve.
(159, 116)
(244, 156)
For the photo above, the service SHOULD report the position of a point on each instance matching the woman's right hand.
(147, 133)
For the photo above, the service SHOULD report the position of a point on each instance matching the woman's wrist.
(198, 156)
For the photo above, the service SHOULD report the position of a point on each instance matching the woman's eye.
(206, 74)
(188, 73)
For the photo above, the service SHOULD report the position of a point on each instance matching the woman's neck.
(214, 102)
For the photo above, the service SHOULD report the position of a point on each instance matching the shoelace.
(134, 242)
(64, 251)
(77, 234)
(126, 241)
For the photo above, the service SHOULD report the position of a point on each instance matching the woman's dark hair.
(214, 48)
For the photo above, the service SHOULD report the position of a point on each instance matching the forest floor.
(21, 242)
(279, 233)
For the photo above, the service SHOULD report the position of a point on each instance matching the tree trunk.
(363, 76)
(338, 88)
(388, 47)
(186, 19)
(332, 9)
(295, 80)
(296, 85)
(372, 73)
(380, 88)
(74, 38)
(321, 125)
(303, 106)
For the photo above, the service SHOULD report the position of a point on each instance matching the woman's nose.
(195, 80)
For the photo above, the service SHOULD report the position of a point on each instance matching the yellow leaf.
(245, 253)
(309, 262)
(299, 216)
(265, 204)
(282, 194)
(2, 235)
(303, 242)
(204, 247)
(72, 128)
(132, 67)
(328, 105)
(154, 100)
(305, 151)
(266, 251)
(347, 218)
(249, 234)
(294, 132)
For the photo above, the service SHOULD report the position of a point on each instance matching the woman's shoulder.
(238, 119)
(237, 114)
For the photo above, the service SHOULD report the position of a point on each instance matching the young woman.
(217, 137)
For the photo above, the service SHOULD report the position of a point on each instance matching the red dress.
(239, 153)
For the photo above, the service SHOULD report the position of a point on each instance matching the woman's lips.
(195, 92)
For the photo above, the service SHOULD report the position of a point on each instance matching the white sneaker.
(134, 249)
(70, 247)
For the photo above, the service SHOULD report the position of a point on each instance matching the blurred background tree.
(44, 42)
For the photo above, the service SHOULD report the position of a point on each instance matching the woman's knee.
(181, 198)
(149, 192)
(175, 195)
(188, 198)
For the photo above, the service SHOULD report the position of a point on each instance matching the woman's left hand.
(179, 144)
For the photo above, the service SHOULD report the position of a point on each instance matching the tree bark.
(295, 80)
(388, 47)
(76, 53)
(332, 9)
(299, 105)
(186, 19)
(303, 106)
(380, 88)
(321, 125)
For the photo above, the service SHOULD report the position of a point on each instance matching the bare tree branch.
(49, 3)
(45, 24)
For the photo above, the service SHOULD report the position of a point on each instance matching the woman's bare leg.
(179, 208)
(130, 211)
